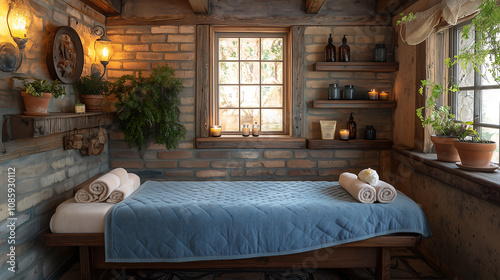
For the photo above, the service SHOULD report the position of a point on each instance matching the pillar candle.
(373, 94)
(344, 134)
(216, 130)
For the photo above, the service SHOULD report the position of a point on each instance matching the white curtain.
(417, 30)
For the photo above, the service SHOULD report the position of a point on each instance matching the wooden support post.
(87, 271)
(383, 269)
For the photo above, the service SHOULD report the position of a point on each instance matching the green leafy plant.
(91, 85)
(405, 18)
(439, 118)
(40, 86)
(148, 108)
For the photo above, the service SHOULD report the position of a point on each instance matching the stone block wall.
(144, 47)
(42, 180)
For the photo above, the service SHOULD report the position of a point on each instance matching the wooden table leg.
(383, 269)
(87, 271)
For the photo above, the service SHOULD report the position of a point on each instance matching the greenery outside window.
(478, 98)
(250, 80)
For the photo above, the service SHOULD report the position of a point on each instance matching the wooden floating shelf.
(24, 126)
(355, 144)
(261, 142)
(352, 104)
(357, 66)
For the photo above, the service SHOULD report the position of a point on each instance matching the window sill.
(481, 184)
(261, 142)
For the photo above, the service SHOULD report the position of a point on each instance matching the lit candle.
(384, 95)
(344, 134)
(216, 130)
(373, 94)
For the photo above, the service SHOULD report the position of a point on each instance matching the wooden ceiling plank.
(107, 7)
(313, 6)
(199, 6)
(393, 6)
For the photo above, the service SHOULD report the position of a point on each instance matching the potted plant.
(474, 149)
(442, 122)
(91, 91)
(37, 94)
(148, 108)
(79, 108)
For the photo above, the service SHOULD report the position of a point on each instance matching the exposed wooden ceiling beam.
(313, 6)
(106, 7)
(394, 6)
(199, 6)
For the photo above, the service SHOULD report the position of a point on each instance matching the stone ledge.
(481, 184)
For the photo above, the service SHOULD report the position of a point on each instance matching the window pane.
(250, 96)
(228, 119)
(492, 135)
(272, 48)
(465, 104)
(272, 72)
(228, 96)
(250, 72)
(272, 120)
(228, 72)
(228, 48)
(272, 96)
(490, 104)
(486, 77)
(250, 116)
(465, 76)
(250, 48)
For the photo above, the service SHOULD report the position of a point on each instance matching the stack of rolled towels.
(366, 187)
(111, 187)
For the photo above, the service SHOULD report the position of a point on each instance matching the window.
(250, 80)
(478, 99)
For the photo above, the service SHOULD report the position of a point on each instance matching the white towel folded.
(136, 179)
(83, 195)
(121, 173)
(369, 176)
(126, 189)
(385, 192)
(359, 190)
(102, 187)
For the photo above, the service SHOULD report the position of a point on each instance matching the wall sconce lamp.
(18, 21)
(102, 47)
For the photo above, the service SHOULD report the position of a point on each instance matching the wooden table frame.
(373, 252)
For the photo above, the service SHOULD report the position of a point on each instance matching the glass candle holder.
(245, 131)
(384, 96)
(344, 134)
(255, 129)
(373, 94)
(216, 130)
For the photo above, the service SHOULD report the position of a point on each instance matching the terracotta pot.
(475, 154)
(92, 102)
(445, 148)
(36, 106)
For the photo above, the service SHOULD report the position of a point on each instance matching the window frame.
(240, 32)
(477, 88)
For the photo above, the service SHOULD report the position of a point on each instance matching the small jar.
(370, 132)
(216, 130)
(349, 92)
(380, 53)
(245, 131)
(333, 92)
(255, 129)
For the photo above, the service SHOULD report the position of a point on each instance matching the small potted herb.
(473, 148)
(91, 91)
(37, 94)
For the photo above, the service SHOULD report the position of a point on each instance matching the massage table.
(373, 251)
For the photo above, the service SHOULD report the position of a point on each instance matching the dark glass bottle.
(380, 53)
(351, 126)
(344, 51)
(370, 132)
(330, 51)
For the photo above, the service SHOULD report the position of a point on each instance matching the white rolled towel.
(121, 173)
(361, 191)
(83, 195)
(136, 179)
(126, 189)
(102, 187)
(369, 176)
(385, 192)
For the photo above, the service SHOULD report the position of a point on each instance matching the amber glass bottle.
(344, 51)
(351, 126)
(330, 50)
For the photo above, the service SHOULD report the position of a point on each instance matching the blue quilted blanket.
(193, 221)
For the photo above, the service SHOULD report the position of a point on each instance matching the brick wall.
(142, 48)
(43, 180)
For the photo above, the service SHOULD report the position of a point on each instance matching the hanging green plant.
(148, 108)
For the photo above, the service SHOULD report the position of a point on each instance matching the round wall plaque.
(65, 58)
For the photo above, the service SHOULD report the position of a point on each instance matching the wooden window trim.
(204, 78)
